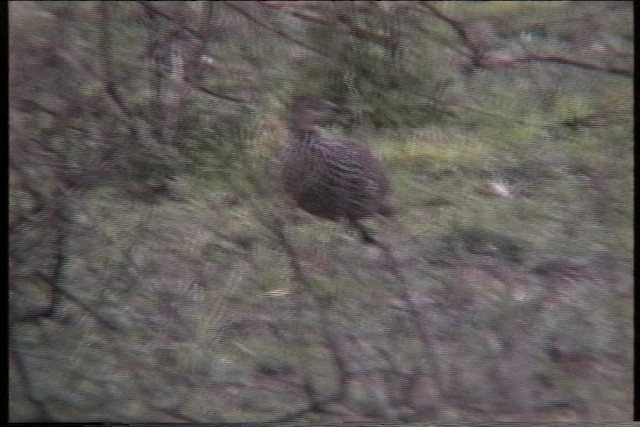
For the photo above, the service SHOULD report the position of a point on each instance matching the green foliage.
(369, 75)
(148, 275)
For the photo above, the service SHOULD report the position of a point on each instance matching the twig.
(277, 31)
(483, 59)
(414, 312)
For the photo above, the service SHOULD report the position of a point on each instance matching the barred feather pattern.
(334, 178)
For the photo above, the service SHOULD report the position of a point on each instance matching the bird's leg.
(364, 233)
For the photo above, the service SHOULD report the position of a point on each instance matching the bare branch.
(496, 62)
(277, 31)
(23, 371)
(152, 10)
(483, 59)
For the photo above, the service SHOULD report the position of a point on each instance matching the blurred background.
(149, 281)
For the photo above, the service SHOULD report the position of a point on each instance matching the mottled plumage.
(327, 177)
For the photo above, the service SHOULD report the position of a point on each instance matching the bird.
(331, 178)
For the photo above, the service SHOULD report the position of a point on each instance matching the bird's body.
(331, 178)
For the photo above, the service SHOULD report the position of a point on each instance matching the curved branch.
(626, 71)
(484, 59)
(277, 31)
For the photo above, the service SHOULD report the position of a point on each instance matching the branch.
(113, 98)
(458, 27)
(277, 31)
(330, 341)
(209, 92)
(23, 372)
(152, 10)
(358, 31)
(482, 58)
(496, 62)
(415, 313)
(297, 14)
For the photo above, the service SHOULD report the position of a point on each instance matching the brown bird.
(331, 178)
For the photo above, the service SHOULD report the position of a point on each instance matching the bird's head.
(307, 111)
